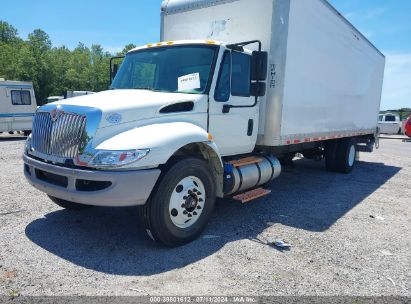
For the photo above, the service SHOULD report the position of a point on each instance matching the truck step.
(251, 195)
(245, 161)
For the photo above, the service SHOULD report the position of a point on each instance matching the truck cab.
(178, 105)
(211, 88)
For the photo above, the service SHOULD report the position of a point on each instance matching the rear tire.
(346, 155)
(67, 204)
(330, 155)
(181, 203)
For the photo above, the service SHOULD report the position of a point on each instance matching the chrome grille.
(61, 138)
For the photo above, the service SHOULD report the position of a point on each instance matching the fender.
(163, 140)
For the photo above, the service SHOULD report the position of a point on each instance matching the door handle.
(250, 127)
(226, 109)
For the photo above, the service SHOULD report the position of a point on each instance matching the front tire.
(67, 204)
(181, 203)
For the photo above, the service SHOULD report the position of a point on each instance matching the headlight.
(104, 158)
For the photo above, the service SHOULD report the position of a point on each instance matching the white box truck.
(17, 106)
(235, 89)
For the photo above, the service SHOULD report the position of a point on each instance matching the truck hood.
(122, 106)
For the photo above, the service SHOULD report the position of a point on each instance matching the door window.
(222, 92)
(241, 74)
(21, 98)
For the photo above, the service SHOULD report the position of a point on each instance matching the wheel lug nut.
(185, 212)
(190, 215)
(194, 213)
(199, 193)
(200, 200)
(185, 197)
(190, 192)
(198, 207)
(183, 206)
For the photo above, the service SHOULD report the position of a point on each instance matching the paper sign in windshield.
(189, 82)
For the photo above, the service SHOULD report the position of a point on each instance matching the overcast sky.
(114, 24)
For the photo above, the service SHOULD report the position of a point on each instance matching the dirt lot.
(337, 247)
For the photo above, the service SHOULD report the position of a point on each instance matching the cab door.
(234, 129)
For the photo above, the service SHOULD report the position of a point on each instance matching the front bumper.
(98, 188)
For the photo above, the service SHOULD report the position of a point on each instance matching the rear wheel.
(67, 204)
(330, 155)
(26, 133)
(346, 153)
(181, 203)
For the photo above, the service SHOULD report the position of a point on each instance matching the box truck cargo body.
(233, 92)
(325, 77)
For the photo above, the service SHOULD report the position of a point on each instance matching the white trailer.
(235, 89)
(17, 106)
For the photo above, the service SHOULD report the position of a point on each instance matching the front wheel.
(181, 203)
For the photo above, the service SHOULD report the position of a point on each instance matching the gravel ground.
(337, 247)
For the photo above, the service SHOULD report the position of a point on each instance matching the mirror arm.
(111, 66)
(241, 45)
(227, 107)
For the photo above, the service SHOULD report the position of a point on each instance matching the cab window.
(222, 92)
(390, 118)
(241, 74)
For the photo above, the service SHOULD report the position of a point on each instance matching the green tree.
(126, 49)
(7, 32)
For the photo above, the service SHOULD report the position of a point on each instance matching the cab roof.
(180, 42)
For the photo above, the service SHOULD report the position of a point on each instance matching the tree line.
(53, 70)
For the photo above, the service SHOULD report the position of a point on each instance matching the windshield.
(173, 69)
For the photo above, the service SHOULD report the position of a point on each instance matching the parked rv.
(17, 106)
(190, 119)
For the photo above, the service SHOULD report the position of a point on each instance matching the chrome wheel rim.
(351, 157)
(187, 202)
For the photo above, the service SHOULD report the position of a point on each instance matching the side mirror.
(258, 89)
(259, 66)
(115, 70)
(114, 67)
